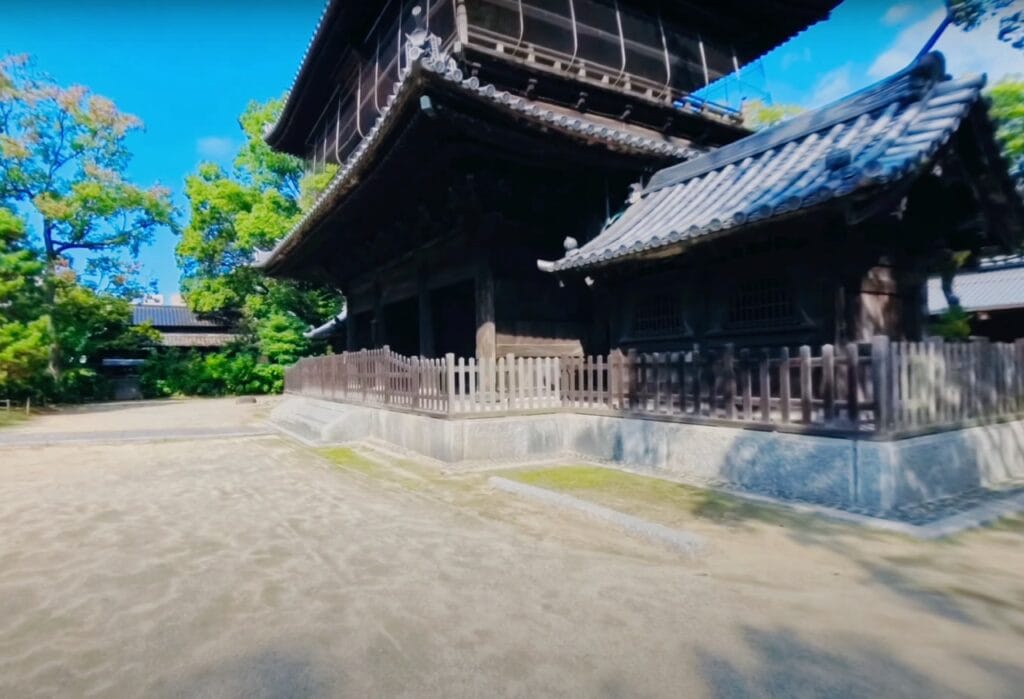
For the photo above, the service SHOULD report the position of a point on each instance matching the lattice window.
(657, 315)
(762, 303)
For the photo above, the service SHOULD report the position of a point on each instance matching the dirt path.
(255, 567)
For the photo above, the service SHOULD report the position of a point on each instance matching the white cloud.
(897, 13)
(791, 58)
(831, 86)
(215, 147)
(977, 51)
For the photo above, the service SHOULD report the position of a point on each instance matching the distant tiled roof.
(881, 134)
(996, 285)
(196, 339)
(169, 317)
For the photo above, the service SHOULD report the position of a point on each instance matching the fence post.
(361, 373)
(806, 407)
(556, 377)
(416, 379)
(630, 371)
(1018, 358)
(985, 370)
(852, 383)
(784, 389)
(765, 385)
(881, 382)
(828, 381)
(615, 378)
(510, 380)
(449, 372)
(937, 379)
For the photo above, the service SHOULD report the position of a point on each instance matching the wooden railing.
(880, 387)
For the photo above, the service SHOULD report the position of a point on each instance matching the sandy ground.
(257, 568)
(222, 413)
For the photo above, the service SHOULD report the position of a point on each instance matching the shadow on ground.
(783, 665)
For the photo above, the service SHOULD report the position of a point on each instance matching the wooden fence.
(881, 386)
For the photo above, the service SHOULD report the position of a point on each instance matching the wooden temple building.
(474, 137)
(485, 148)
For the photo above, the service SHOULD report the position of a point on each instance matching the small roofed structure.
(993, 294)
(821, 229)
(180, 327)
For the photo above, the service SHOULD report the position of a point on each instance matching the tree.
(64, 154)
(33, 303)
(24, 329)
(234, 214)
(63, 157)
(1006, 105)
(758, 114)
(969, 14)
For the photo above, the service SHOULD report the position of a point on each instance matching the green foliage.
(232, 216)
(1006, 105)
(24, 328)
(230, 372)
(953, 324)
(63, 154)
(281, 338)
(63, 157)
(40, 310)
(758, 115)
(969, 14)
(313, 183)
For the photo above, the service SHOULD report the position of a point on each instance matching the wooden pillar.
(426, 316)
(486, 333)
(378, 335)
(350, 331)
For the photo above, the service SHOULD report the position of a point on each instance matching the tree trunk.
(55, 365)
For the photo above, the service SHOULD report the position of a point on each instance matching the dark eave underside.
(455, 118)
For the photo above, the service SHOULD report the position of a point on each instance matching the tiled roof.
(429, 62)
(993, 286)
(169, 316)
(881, 134)
(196, 339)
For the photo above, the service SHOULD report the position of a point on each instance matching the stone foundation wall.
(877, 475)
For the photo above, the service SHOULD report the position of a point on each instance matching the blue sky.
(188, 67)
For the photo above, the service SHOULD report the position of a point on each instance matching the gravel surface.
(257, 568)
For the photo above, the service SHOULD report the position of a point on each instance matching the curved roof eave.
(429, 67)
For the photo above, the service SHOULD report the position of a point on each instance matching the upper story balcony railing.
(606, 43)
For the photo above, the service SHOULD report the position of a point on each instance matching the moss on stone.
(651, 496)
(351, 459)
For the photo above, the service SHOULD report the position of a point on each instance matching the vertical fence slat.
(805, 384)
(852, 356)
(764, 379)
(828, 382)
(784, 386)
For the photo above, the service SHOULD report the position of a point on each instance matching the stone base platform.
(860, 473)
